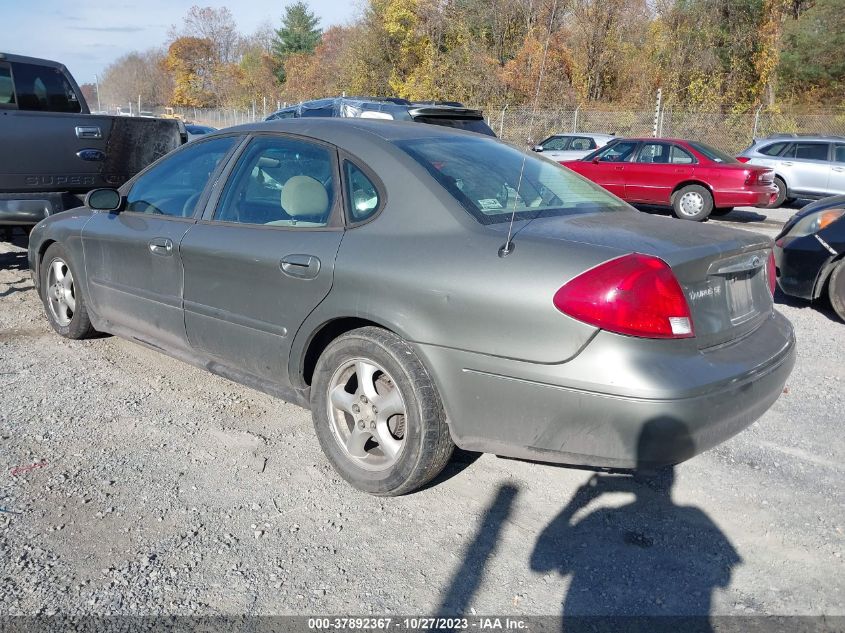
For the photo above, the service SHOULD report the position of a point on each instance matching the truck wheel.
(377, 413)
(782, 192)
(692, 202)
(62, 296)
(836, 289)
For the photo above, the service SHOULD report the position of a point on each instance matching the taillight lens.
(743, 159)
(771, 272)
(635, 294)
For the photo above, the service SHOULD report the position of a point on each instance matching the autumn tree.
(135, 74)
(215, 25)
(192, 61)
(299, 33)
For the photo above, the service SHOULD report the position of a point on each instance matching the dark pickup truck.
(53, 150)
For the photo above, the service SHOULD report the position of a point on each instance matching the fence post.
(575, 121)
(756, 121)
(657, 112)
(502, 121)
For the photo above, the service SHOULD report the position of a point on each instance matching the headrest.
(304, 196)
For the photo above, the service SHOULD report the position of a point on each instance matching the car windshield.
(716, 155)
(488, 179)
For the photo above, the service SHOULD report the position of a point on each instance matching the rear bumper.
(621, 403)
(28, 209)
(757, 197)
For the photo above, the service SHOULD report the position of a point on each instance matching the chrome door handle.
(161, 246)
(787, 163)
(619, 167)
(301, 266)
(838, 169)
(88, 131)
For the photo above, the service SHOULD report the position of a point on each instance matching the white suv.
(805, 166)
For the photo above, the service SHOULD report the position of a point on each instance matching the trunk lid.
(722, 271)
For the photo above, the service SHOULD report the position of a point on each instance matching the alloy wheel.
(367, 414)
(61, 293)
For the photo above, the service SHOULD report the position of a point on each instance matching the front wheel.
(836, 289)
(62, 297)
(692, 202)
(377, 413)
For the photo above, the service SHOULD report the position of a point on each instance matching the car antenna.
(508, 247)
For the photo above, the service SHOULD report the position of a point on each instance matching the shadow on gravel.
(822, 306)
(15, 260)
(649, 557)
(468, 577)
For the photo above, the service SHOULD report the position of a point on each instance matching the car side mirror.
(537, 148)
(596, 160)
(103, 200)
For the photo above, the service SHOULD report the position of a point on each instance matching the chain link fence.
(729, 132)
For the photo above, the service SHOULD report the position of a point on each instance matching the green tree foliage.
(813, 57)
(299, 33)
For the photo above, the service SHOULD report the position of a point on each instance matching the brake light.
(771, 273)
(743, 159)
(635, 294)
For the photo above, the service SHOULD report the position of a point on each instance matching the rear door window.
(280, 182)
(7, 88)
(44, 88)
(839, 154)
(773, 149)
(808, 151)
(582, 143)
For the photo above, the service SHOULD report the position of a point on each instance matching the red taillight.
(743, 159)
(771, 273)
(634, 294)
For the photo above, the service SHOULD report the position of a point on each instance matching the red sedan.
(691, 177)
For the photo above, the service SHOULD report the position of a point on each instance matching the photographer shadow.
(649, 558)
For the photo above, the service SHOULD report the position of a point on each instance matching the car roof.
(337, 130)
(798, 137)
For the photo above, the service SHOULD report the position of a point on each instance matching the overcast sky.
(87, 35)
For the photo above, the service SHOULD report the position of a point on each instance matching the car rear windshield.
(493, 180)
(470, 125)
(716, 155)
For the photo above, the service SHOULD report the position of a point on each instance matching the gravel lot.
(150, 487)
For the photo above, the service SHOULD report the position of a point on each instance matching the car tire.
(389, 452)
(836, 289)
(64, 301)
(782, 193)
(721, 211)
(692, 202)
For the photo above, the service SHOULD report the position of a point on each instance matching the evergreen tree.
(299, 33)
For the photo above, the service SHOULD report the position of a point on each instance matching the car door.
(607, 167)
(132, 260)
(56, 144)
(555, 147)
(836, 185)
(805, 166)
(655, 171)
(262, 258)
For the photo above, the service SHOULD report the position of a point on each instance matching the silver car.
(805, 166)
(418, 288)
(562, 147)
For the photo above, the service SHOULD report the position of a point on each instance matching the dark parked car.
(447, 114)
(692, 178)
(198, 131)
(810, 253)
(359, 268)
(54, 150)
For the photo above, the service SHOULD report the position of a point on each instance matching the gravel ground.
(134, 484)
